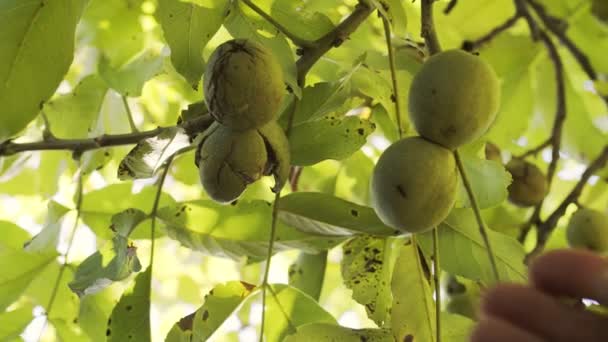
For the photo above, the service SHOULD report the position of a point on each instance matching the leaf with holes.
(130, 319)
(367, 268)
(324, 332)
(114, 262)
(220, 303)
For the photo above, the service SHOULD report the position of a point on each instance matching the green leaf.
(324, 98)
(324, 332)
(307, 273)
(328, 138)
(220, 303)
(463, 252)
(99, 206)
(16, 276)
(130, 319)
(455, 328)
(13, 236)
(300, 21)
(488, 179)
(47, 239)
(41, 289)
(301, 309)
(517, 98)
(367, 268)
(37, 48)
(114, 28)
(113, 262)
(128, 79)
(320, 213)
(187, 29)
(76, 114)
(241, 23)
(96, 309)
(353, 179)
(146, 158)
(413, 310)
(218, 229)
(13, 322)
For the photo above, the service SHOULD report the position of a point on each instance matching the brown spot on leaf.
(354, 212)
(205, 315)
(408, 338)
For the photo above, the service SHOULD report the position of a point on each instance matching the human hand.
(535, 313)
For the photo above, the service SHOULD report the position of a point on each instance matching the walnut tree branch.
(428, 27)
(334, 38)
(78, 146)
(559, 27)
(546, 228)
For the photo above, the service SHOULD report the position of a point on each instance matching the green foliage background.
(80, 69)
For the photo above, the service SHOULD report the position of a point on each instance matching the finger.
(543, 315)
(496, 330)
(573, 273)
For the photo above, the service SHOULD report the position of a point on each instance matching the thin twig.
(483, 230)
(436, 279)
(450, 6)
(476, 44)
(332, 39)
(558, 28)
(78, 146)
(556, 132)
(546, 228)
(522, 9)
(161, 182)
(427, 29)
(534, 150)
(391, 59)
(129, 114)
(67, 252)
(303, 43)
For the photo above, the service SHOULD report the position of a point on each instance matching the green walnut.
(230, 160)
(529, 185)
(243, 84)
(414, 184)
(588, 229)
(493, 152)
(454, 98)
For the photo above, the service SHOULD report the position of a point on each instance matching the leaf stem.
(436, 279)
(161, 182)
(64, 265)
(391, 58)
(295, 39)
(129, 114)
(273, 233)
(482, 226)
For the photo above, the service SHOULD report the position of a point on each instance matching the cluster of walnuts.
(453, 100)
(244, 88)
